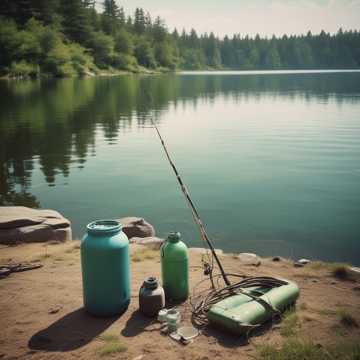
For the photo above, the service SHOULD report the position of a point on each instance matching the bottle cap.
(151, 283)
(174, 237)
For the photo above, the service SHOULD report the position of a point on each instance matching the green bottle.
(175, 268)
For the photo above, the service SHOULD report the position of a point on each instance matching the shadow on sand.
(139, 323)
(71, 332)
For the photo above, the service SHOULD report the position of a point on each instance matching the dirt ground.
(41, 313)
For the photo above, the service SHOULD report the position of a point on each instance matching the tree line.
(68, 37)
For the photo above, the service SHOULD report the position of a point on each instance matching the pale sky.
(265, 17)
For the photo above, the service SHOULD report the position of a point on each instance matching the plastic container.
(151, 297)
(173, 319)
(175, 268)
(105, 268)
(162, 315)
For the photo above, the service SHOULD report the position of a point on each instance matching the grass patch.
(146, 254)
(299, 349)
(338, 270)
(290, 324)
(111, 348)
(109, 337)
(347, 319)
(111, 345)
(341, 271)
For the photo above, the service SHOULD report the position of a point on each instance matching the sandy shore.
(41, 314)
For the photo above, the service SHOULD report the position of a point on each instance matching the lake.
(271, 159)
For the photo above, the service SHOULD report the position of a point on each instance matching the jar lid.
(104, 227)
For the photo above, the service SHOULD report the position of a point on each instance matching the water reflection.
(54, 123)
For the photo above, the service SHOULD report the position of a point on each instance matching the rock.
(203, 251)
(153, 241)
(136, 227)
(354, 273)
(249, 259)
(303, 261)
(276, 258)
(297, 264)
(20, 224)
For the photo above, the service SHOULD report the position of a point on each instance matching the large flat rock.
(19, 224)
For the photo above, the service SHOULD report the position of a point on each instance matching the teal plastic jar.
(105, 268)
(175, 268)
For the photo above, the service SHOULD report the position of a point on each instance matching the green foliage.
(347, 319)
(102, 46)
(43, 32)
(123, 42)
(300, 349)
(290, 324)
(145, 54)
(111, 345)
(164, 55)
(124, 62)
(23, 69)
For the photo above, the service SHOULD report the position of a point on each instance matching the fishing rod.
(193, 209)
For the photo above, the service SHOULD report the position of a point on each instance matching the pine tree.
(139, 21)
(74, 20)
(110, 17)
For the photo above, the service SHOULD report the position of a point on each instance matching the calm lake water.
(272, 160)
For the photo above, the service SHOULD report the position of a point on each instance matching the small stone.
(55, 310)
(314, 281)
(139, 357)
(356, 288)
(304, 261)
(333, 283)
(297, 264)
(276, 258)
(249, 259)
(355, 272)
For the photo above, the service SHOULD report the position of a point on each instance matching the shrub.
(145, 54)
(124, 61)
(23, 69)
(103, 48)
(347, 319)
(341, 271)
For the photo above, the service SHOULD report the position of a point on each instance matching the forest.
(82, 37)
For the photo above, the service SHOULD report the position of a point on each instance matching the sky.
(265, 17)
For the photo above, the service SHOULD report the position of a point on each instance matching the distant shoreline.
(145, 71)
